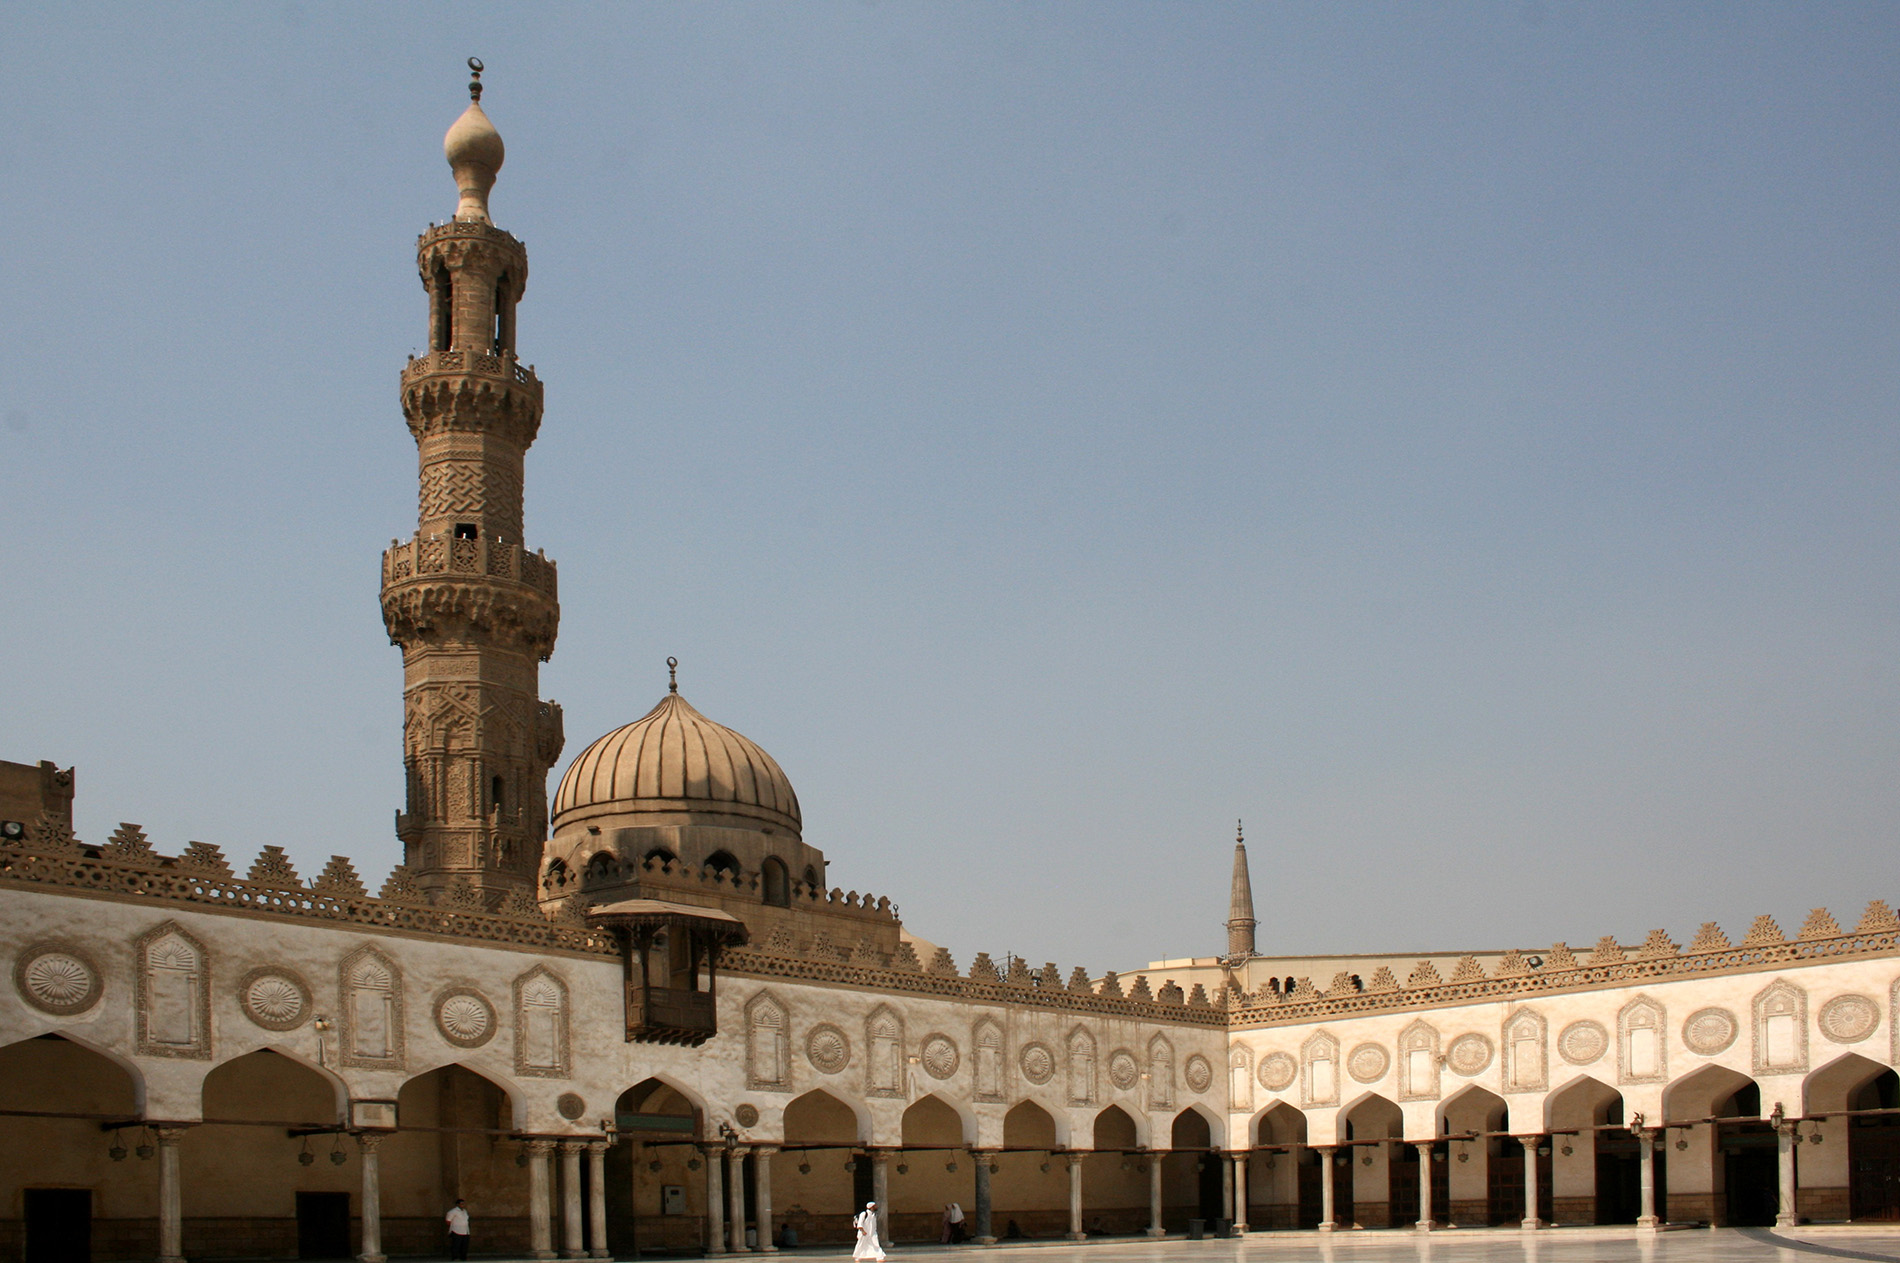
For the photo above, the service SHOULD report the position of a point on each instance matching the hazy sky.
(1459, 439)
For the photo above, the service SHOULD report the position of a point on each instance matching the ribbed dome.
(674, 759)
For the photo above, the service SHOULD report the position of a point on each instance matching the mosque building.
(645, 1013)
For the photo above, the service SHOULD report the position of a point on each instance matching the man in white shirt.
(457, 1220)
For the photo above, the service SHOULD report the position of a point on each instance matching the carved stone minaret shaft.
(474, 611)
(1240, 922)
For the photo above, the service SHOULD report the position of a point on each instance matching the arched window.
(442, 310)
(660, 854)
(811, 880)
(601, 867)
(504, 316)
(775, 884)
(723, 862)
(556, 876)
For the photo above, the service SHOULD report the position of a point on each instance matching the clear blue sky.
(1459, 439)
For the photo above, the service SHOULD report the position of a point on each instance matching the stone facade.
(652, 1020)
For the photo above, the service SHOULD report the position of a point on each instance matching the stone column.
(1074, 1161)
(715, 1201)
(881, 1193)
(1787, 1136)
(1646, 1155)
(1154, 1196)
(1226, 1187)
(597, 1197)
(762, 1183)
(1240, 1193)
(571, 1247)
(171, 1214)
(983, 1232)
(1326, 1178)
(540, 1231)
(367, 1144)
(1424, 1223)
(1531, 1222)
(735, 1198)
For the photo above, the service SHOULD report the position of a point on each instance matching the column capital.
(1073, 1157)
(369, 1141)
(569, 1144)
(599, 1146)
(765, 1151)
(540, 1145)
(169, 1133)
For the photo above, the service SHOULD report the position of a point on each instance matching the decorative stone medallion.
(747, 1115)
(828, 1049)
(1469, 1054)
(940, 1056)
(57, 979)
(1710, 1031)
(1582, 1043)
(570, 1105)
(1368, 1063)
(1277, 1070)
(1848, 1019)
(1197, 1073)
(465, 1017)
(1123, 1072)
(1038, 1063)
(274, 998)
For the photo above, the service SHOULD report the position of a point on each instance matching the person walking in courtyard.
(868, 1246)
(457, 1220)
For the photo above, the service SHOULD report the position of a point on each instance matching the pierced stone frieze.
(1848, 1019)
(1469, 1054)
(1780, 1012)
(988, 1041)
(768, 1059)
(57, 978)
(1583, 1043)
(1277, 1071)
(1419, 1062)
(1160, 1073)
(1525, 1040)
(828, 1049)
(1038, 1064)
(1710, 1031)
(464, 1017)
(940, 1056)
(884, 1061)
(541, 1025)
(1641, 1052)
(1319, 1069)
(275, 998)
(1081, 1067)
(1123, 1070)
(1367, 1063)
(372, 1010)
(1198, 1073)
(173, 996)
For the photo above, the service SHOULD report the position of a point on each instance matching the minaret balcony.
(421, 558)
(438, 586)
(458, 362)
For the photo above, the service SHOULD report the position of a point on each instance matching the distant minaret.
(1240, 920)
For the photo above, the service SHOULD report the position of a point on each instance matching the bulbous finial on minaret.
(1240, 922)
(475, 152)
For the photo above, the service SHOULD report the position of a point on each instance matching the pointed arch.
(1371, 1116)
(1280, 1124)
(1700, 1093)
(454, 1094)
(1196, 1127)
(1834, 1085)
(1584, 1101)
(884, 1047)
(1642, 1054)
(53, 1070)
(1030, 1126)
(933, 1121)
(266, 1085)
(1472, 1108)
(1780, 1012)
(822, 1118)
(1524, 1046)
(1419, 1062)
(768, 1047)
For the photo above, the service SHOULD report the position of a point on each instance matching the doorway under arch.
(655, 1123)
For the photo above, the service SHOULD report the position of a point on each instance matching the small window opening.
(504, 317)
(723, 862)
(441, 313)
(495, 799)
(466, 530)
(775, 883)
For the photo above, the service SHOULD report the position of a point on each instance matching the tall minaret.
(474, 611)
(1240, 922)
